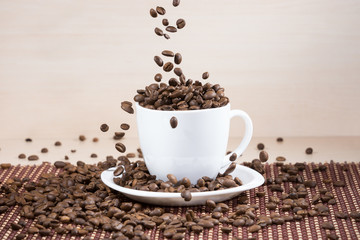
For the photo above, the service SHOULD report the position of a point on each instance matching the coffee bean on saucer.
(125, 126)
(180, 23)
(264, 156)
(309, 150)
(178, 58)
(260, 146)
(120, 147)
(160, 10)
(153, 13)
(230, 169)
(168, 66)
(167, 53)
(158, 61)
(171, 29)
(104, 127)
(176, 3)
(205, 75)
(22, 156)
(158, 31)
(165, 22)
(233, 157)
(127, 107)
(186, 195)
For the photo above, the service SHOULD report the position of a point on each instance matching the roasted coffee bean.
(104, 127)
(254, 228)
(168, 67)
(15, 226)
(230, 169)
(153, 13)
(172, 178)
(44, 150)
(260, 146)
(176, 3)
(205, 75)
(158, 32)
(279, 139)
(127, 107)
(28, 140)
(309, 150)
(226, 229)
(260, 194)
(5, 165)
(173, 122)
(168, 53)
(125, 126)
(280, 159)
(178, 71)
(341, 215)
(355, 215)
(328, 225)
(171, 29)
(33, 158)
(118, 171)
(120, 147)
(166, 36)
(130, 155)
(186, 195)
(233, 157)
(93, 155)
(160, 10)
(178, 58)
(33, 230)
(310, 183)
(332, 236)
(59, 164)
(263, 156)
(180, 23)
(22, 156)
(20, 236)
(82, 138)
(165, 22)
(339, 183)
(57, 143)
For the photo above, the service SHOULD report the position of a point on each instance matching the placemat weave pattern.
(347, 198)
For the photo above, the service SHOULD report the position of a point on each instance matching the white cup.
(195, 148)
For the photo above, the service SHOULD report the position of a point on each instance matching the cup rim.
(184, 112)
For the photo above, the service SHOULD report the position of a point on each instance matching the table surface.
(339, 149)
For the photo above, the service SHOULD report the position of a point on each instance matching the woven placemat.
(347, 198)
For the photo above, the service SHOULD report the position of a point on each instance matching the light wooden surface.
(65, 66)
(339, 149)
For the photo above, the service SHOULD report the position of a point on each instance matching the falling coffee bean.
(280, 158)
(57, 143)
(44, 150)
(180, 23)
(153, 13)
(205, 75)
(157, 78)
(165, 22)
(173, 122)
(22, 156)
(279, 139)
(120, 147)
(125, 126)
(158, 31)
(166, 36)
(230, 169)
(168, 66)
(171, 29)
(82, 138)
(118, 171)
(233, 157)
(104, 127)
(33, 158)
(160, 10)
(178, 58)
(176, 3)
(264, 156)
(28, 140)
(309, 150)
(260, 146)
(127, 107)
(158, 61)
(167, 53)
(178, 71)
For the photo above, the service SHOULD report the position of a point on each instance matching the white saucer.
(249, 177)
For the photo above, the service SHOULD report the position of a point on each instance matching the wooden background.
(65, 66)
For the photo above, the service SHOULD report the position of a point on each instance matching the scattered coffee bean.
(73, 150)
(120, 147)
(125, 126)
(176, 3)
(260, 146)
(254, 228)
(130, 155)
(233, 157)
(341, 215)
(118, 135)
(332, 236)
(178, 71)
(165, 22)
(328, 225)
(168, 66)
(158, 61)
(33, 158)
(20, 236)
(279, 139)
(230, 169)
(166, 36)
(309, 150)
(280, 159)
(66, 157)
(186, 195)
(93, 155)
(44, 150)
(104, 127)
(180, 23)
(167, 53)
(127, 107)
(158, 32)
(264, 156)
(157, 78)
(57, 143)
(5, 165)
(205, 75)
(22, 156)
(28, 140)
(118, 171)
(153, 13)
(160, 10)
(59, 164)
(95, 139)
(260, 194)
(178, 58)
(171, 29)
(339, 183)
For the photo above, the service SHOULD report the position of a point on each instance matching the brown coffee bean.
(260, 194)
(3, 209)
(59, 164)
(20, 236)
(5, 165)
(176, 3)
(168, 67)
(226, 229)
(66, 157)
(160, 10)
(310, 183)
(127, 107)
(125, 126)
(33, 158)
(178, 71)
(254, 228)
(280, 159)
(355, 215)
(171, 29)
(130, 155)
(33, 230)
(167, 53)
(197, 228)
(180, 23)
(309, 150)
(233, 157)
(166, 36)
(260, 146)
(263, 156)
(22, 156)
(153, 13)
(230, 169)
(172, 178)
(328, 225)
(82, 138)
(341, 215)
(15, 226)
(165, 22)
(279, 139)
(157, 78)
(104, 127)
(93, 155)
(339, 183)
(173, 122)
(44, 232)
(120, 147)
(28, 140)
(209, 95)
(57, 143)
(332, 236)
(158, 32)
(206, 223)
(178, 58)
(118, 171)
(205, 75)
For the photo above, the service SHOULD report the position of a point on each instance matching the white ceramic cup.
(195, 148)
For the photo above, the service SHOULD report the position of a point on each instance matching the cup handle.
(247, 135)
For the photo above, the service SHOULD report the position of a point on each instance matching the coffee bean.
(120, 147)
(168, 67)
(339, 183)
(28, 140)
(15, 226)
(332, 236)
(127, 107)
(33, 158)
(233, 157)
(165, 22)
(309, 150)
(104, 127)
(33, 230)
(160, 10)
(260, 194)
(66, 157)
(355, 215)
(125, 126)
(280, 159)
(254, 228)
(59, 164)
(327, 225)
(205, 75)
(279, 139)
(180, 23)
(263, 156)
(226, 229)
(158, 32)
(310, 183)
(130, 155)
(20, 236)
(22, 156)
(118, 171)
(57, 143)
(44, 150)
(171, 29)
(178, 58)
(173, 122)
(172, 178)
(93, 155)
(95, 139)
(176, 3)
(178, 71)
(260, 146)
(341, 215)
(5, 165)
(167, 53)
(153, 13)
(166, 36)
